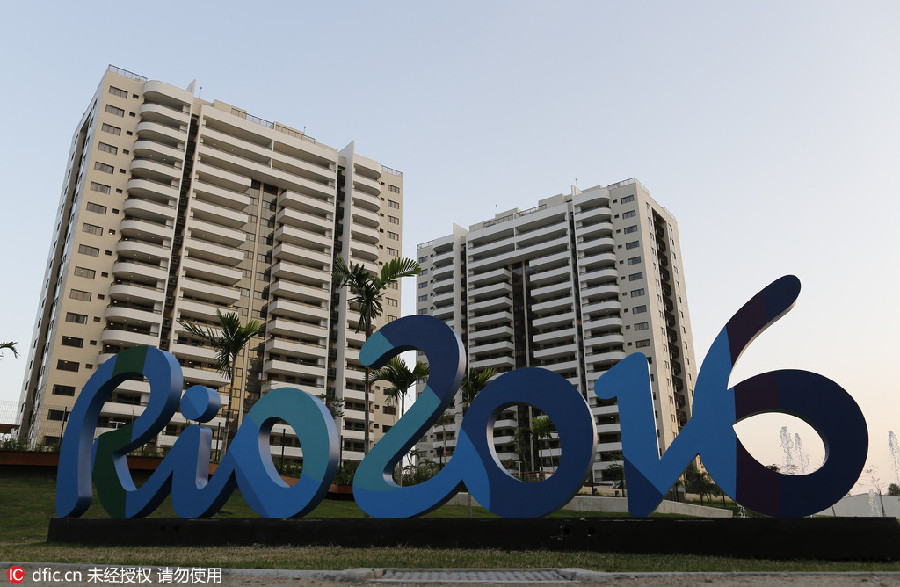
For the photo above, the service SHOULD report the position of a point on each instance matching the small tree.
(228, 345)
(9, 346)
(471, 386)
(367, 290)
(542, 428)
(894, 490)
(615, 472)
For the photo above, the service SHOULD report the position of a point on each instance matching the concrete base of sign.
(807, 538)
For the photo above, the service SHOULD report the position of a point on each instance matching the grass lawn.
(26, 506)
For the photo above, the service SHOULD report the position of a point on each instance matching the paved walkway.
(54, 574)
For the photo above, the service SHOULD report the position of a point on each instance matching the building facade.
(573, 285)
(174, 207)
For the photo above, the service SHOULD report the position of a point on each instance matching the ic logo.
(15, 574)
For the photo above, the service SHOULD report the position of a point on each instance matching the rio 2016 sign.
(817, 400)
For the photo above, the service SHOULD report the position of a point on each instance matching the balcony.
(304, 238)
(155, 170)
(295, 349)
(606, 356)
(143, 251)
(550, 291)
(145, 230)
(364, 200)
(208, 378)
(201, 269)
(598, 261)
(550, 261)
(301, 274)
(294, 369)
(160, 151)
(214, 233)
(365, 217)
(562, 320)
(607, 322)
(210, 291)
(601, 279)
(302, 256)
(216, 214)
(130, 269)
(364, 234)
(220, 196)
(169, 94)
(364, 251)
(601, 244)
(492, 319)
(320, 206)
(132, 316)
(165, 115)
(553, 275)
(298, 311)
(193, 310)
(493, 304)
(552, 336)
(136, 292)
(366, 184)
(565, 303)
(207, 251)
(555, 352)
(491, 348)
(444, 272)
(289, 328)
(603, 308)
(486, 334)
(149, 209)
(154, 131)
(193, 353)
(593, 231)
(299, 292)
(611, 339)
(498, 363)
(501, 289)
(128, 338)
(221, 177)
(306, 220)
(489, 277)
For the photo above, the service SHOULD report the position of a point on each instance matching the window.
(391, 302)
(393, 204)
(635, 276)
(56, 415)
(393, 219)
(423, 312)
(117, 92)
(393, 188)
(631, 229)
(422, 259)
(642, 343)
(104, 167)
(423, 285)
(393, 236)
(85, 272)
(67, 366)
(629, 214)
(99, 187)
(108, 148)
(423, 298)
(636, 293)
(113, 130)
(82, 296)
(95, 208)
(642, 326)
(90, 251)
(393, 252)
(73, 341)
(632, 245)
(63, 390)
(77, 318)
(627, 199)
(113, 110)
(98, 230)
(634, 261)
(639, 309)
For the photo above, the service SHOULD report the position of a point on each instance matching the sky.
(771, 131)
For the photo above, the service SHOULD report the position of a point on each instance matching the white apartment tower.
(573, 285)
(174, 207)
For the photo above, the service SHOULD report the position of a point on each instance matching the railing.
(125, 73)
(513, 216)
(294, 133)
(387, 169)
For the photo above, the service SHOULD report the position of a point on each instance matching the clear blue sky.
(770, 129)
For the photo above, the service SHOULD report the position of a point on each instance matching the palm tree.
(367, 290)
(9, 346)
(446, 418)
(397, 373)
(542, 428)
(228, 346)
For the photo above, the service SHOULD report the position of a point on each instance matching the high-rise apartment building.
(573, 285)
(174, 207)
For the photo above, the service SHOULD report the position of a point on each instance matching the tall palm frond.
(9, 346)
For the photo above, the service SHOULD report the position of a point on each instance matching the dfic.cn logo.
(15, 574)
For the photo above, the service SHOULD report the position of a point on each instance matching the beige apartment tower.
(174, 207)
(573, 285)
